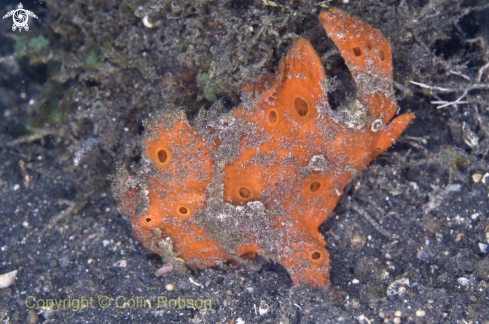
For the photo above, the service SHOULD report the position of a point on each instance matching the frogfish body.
(262, 178)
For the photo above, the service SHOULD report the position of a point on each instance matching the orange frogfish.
(261, 178)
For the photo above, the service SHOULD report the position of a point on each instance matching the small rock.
(263, 309)
(420, 313)
(167, 267)
(476, 177)
(485, 178)
(459, 237)
(47, 313)
(120, 264)
(398, 287)
(464, 282)
(483, 247)
(482, 269)
(7, 279)
(32, 317)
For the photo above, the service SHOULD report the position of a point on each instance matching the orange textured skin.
(268, 190)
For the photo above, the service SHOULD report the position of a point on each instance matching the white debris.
(147, 23)
(195, 282)
(474, 216)
(464, 282)
(7, 279)
(377, 125)
(414, 185)
(362, 318)
(420, 313)
(476, 177)
(318, 163)
(453, 187)
(485, 178)
(483, 247)
(263, 309)
(239, 320)
(120, 264)
(398, 287)
(86, 148)
(470, 138)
